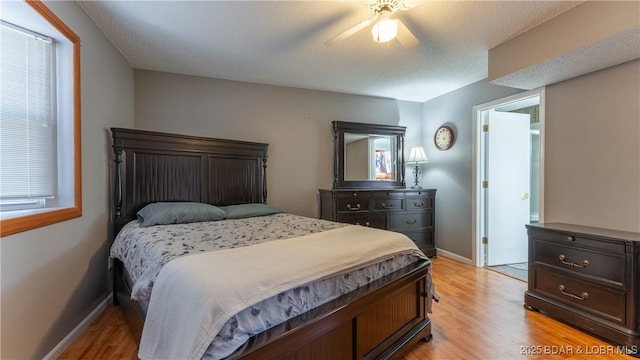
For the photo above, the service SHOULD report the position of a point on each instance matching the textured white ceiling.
(282, 42)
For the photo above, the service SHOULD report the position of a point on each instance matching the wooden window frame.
(47, 217)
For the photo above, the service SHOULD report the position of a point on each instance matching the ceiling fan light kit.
(384, 30)
(384, 27)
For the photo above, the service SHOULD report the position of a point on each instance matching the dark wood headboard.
(159, 166)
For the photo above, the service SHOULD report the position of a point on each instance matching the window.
(39, 119)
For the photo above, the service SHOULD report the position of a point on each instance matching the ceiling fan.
(385, 28)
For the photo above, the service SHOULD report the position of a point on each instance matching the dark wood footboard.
(378, 321)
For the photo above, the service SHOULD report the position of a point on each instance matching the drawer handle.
(581, 297)
(355, 208)
(385, 206)
(411, 222)
(415, 204)
(365, 224)
(571, 238)
(563, 260)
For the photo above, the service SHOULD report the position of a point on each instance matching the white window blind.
(27, 115)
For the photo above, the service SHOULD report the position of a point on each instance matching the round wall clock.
(444, 138)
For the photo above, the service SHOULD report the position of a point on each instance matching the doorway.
(508, 173)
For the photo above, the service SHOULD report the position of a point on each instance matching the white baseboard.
(455, 257)
(77, 331)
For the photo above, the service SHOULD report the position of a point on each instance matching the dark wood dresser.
(588, 277)
(408, 211)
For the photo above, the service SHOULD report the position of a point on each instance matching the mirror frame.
(339, 130)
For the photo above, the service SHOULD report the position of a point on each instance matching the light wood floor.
(479, 316)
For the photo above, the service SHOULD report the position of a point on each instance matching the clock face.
(443, 138)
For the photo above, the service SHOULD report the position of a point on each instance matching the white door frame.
(476, 201)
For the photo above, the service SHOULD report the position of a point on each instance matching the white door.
(508, 173)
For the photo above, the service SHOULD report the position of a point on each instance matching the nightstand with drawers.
(588, 277)
(408, 211)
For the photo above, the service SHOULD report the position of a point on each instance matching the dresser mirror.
(368, 156)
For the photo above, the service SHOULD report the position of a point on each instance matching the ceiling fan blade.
(350, 31)
(405, 37)
(408, 5)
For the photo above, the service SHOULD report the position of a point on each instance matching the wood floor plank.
(107, 337)
(480, 316)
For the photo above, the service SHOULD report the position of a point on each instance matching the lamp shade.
(384, 30)
(417, 156)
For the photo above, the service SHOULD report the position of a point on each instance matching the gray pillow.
(249, 210)
(163, 213)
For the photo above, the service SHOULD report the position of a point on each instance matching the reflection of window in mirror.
(383, 156)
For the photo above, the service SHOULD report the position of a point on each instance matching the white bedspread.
(188, 306)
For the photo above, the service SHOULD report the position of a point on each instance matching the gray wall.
(54, 276)
(295, 122)
(592, 174)
(450, 172)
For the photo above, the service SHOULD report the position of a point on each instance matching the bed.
(380, 319)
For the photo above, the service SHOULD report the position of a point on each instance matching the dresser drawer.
(410, 221)
(419, 203)
(423, 239)
(421, 193)
(351, 205)
(601, 301)
(354, 194)
(373, 220)
(580, 241)
(388, 194)
(389, 204)
(580, 261)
